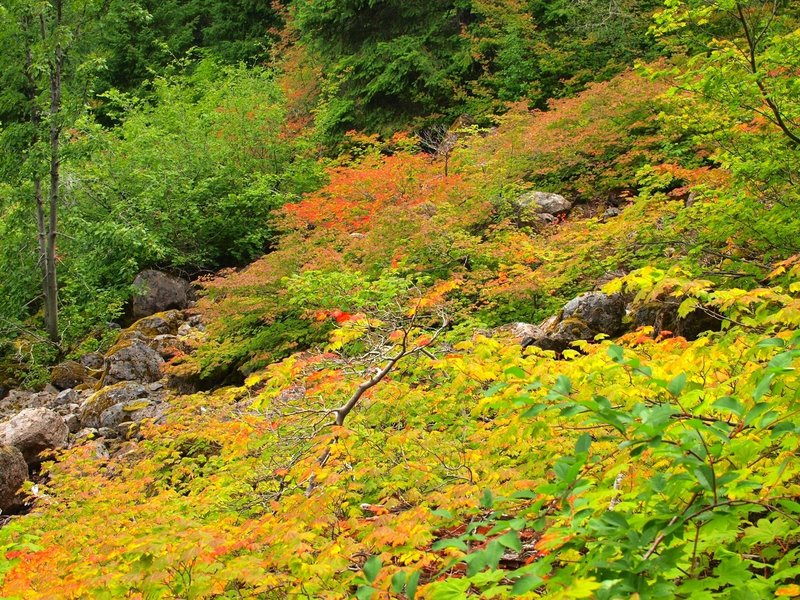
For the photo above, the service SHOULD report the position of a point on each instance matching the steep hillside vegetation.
(549, 351)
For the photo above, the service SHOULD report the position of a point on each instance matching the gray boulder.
(126, 393)
(133, 360)
(157, 292)
(130, 412)
(13, 473)
(533, 208)
(544, 202)
(73, 423)
(33, 431)
(662, 315)
(66, 398)
(600, 312)
(92, 361)
(582, 318)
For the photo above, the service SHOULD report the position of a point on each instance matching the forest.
(382, 299)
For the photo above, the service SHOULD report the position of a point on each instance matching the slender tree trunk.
(36, 122)
(41, 227)
(44, 214)
(51, 279)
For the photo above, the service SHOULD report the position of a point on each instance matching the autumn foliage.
(648, 466)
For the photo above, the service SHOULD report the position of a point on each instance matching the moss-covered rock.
(164, 323)
(68, 375)
(125, 392)
(602, 313)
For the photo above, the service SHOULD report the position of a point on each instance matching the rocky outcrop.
(593, 313)
(582, 318)
(133, 360)
(123, 393)
(600, 312)
(33, 431)
(13, 473)
(158, 292)
(662, 315)
(533, 208)
(108, 396)
(128, 401)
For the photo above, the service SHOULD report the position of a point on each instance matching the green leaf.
(616, 520)
(763, 386)
(782, 361)
(476, 562)
(583, 443)
(411, 585)
(534, 411)
(771, 343)
(790, 505)
(516, 372)
(526, 584)
(494, 552)
(705, 476)
(524, 495)
(451, 543)
(441, 512)
(563, 385)
(365, 592)
(511, 540)
(399, 582)
(572, 409)
(616, 353)
(487, 500)
(729, 403)
(675, 387)
(372, 567)
(755, 413)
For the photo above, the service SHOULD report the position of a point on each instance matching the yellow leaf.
(253, 380)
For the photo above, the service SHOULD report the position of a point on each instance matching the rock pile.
(98, 397)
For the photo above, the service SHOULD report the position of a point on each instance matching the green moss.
(134, 406)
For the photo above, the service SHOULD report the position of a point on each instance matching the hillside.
(459, 328)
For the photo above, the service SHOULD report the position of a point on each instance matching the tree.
(143, 38)
(738, 98)
(749, 68)
(50, 61)
(440, 141)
